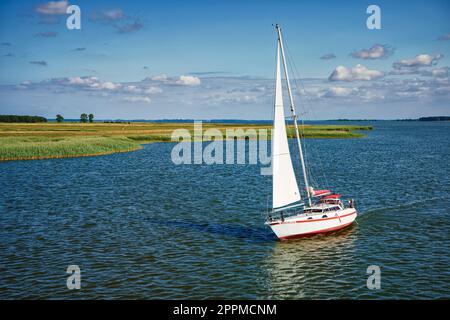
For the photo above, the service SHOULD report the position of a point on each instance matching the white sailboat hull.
(307, 225)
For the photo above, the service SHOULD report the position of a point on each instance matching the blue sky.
(215, 59)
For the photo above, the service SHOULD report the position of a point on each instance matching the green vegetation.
(91, 118)
(70, 139)
(329, 131)
(21, 148)
(59, 118)
(83, 118)
(9, 118)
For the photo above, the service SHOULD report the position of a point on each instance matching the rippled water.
(140, 227)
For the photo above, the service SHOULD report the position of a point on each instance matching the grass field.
(19, 141)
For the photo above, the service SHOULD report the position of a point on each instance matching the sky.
(216, 59)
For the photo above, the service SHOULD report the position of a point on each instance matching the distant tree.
(91, 117)
(84, 118)
(59, 118)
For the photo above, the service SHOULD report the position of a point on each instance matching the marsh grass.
(20, 141)
(24, 148)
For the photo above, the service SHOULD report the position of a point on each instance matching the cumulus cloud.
(338, 92)
(90, 83)
(39, 63)
(132, 88)
(153, 90)
(328, 56)
(228, 91)
(160, 77)
(52, 8)
(377, 51)
(46, 34)
(182, 80)
(188, 81)
(359, 72)
(139, 91)
(418, 61)
(137, 99)
(108, 85)
(437, 72)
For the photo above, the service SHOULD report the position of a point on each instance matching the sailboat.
(323, 211)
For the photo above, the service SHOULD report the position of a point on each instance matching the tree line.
(10, 118)
(23, 119)
(83, 118)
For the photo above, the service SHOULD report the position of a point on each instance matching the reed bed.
(22, 141)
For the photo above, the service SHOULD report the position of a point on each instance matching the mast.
(294, 115)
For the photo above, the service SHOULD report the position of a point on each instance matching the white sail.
(285, 189)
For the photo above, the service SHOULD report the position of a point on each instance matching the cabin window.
(324, 216)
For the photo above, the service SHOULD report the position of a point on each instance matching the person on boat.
(351, 203)
(282, 216)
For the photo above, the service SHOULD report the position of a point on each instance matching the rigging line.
(306, 103)
(291, 62)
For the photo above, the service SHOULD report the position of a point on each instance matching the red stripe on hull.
(323, 231)
(315, 220)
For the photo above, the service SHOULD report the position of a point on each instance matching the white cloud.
(359, 72)
(181, 80)
(153, 90)
(53, 8)
(132, 88)
(188, 81)
(137, 99)
(160, 77)
(252, 93)
(418, 61)
(377, 51)
(92, 83)
(82, 80)
(437, 72)
(338, 92)
(107, 85)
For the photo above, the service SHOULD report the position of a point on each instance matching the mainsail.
(285, 189)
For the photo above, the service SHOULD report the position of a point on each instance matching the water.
(140, 227)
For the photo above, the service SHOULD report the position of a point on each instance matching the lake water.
(141, 227)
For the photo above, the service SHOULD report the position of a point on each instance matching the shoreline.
(20, 141)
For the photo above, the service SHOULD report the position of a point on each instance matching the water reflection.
(306, 267)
